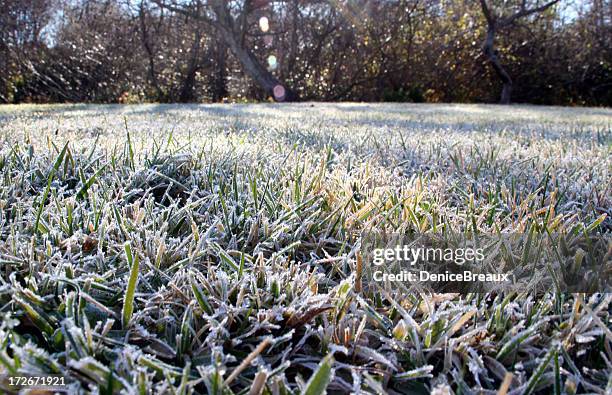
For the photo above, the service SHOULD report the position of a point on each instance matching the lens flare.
(279, 92)
(264, 24)
(272, 63)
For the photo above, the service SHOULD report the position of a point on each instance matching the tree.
(22, 25)
(496, 23)
(230, 20)
(148, 47)
(109, 51)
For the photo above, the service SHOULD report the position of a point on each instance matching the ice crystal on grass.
(165, 245)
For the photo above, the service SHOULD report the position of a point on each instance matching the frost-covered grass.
(209, 249)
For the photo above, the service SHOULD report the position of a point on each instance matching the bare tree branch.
(232, 32)
(488, 47)
(526, 12)
(487, 12)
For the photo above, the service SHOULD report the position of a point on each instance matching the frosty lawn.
(195, 249)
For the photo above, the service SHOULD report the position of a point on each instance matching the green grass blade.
(56, 166)
(128, 300)
(320, 379)
(83, 191)
(535, 378)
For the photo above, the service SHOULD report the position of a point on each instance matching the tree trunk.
(506, 93)
(255, 70)
(490, 53)
(225, 26)
(186, 93)
(250, 64)
(219, 78)
(152, 74)
(293, 42)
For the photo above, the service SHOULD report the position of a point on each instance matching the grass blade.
(128, 300)
(56, 166)
(320, 379)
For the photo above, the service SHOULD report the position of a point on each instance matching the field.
(210, 249)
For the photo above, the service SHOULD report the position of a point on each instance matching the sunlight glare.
(264, 24)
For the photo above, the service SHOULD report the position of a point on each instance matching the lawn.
(215, 249)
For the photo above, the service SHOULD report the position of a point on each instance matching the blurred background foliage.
(126, 51)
